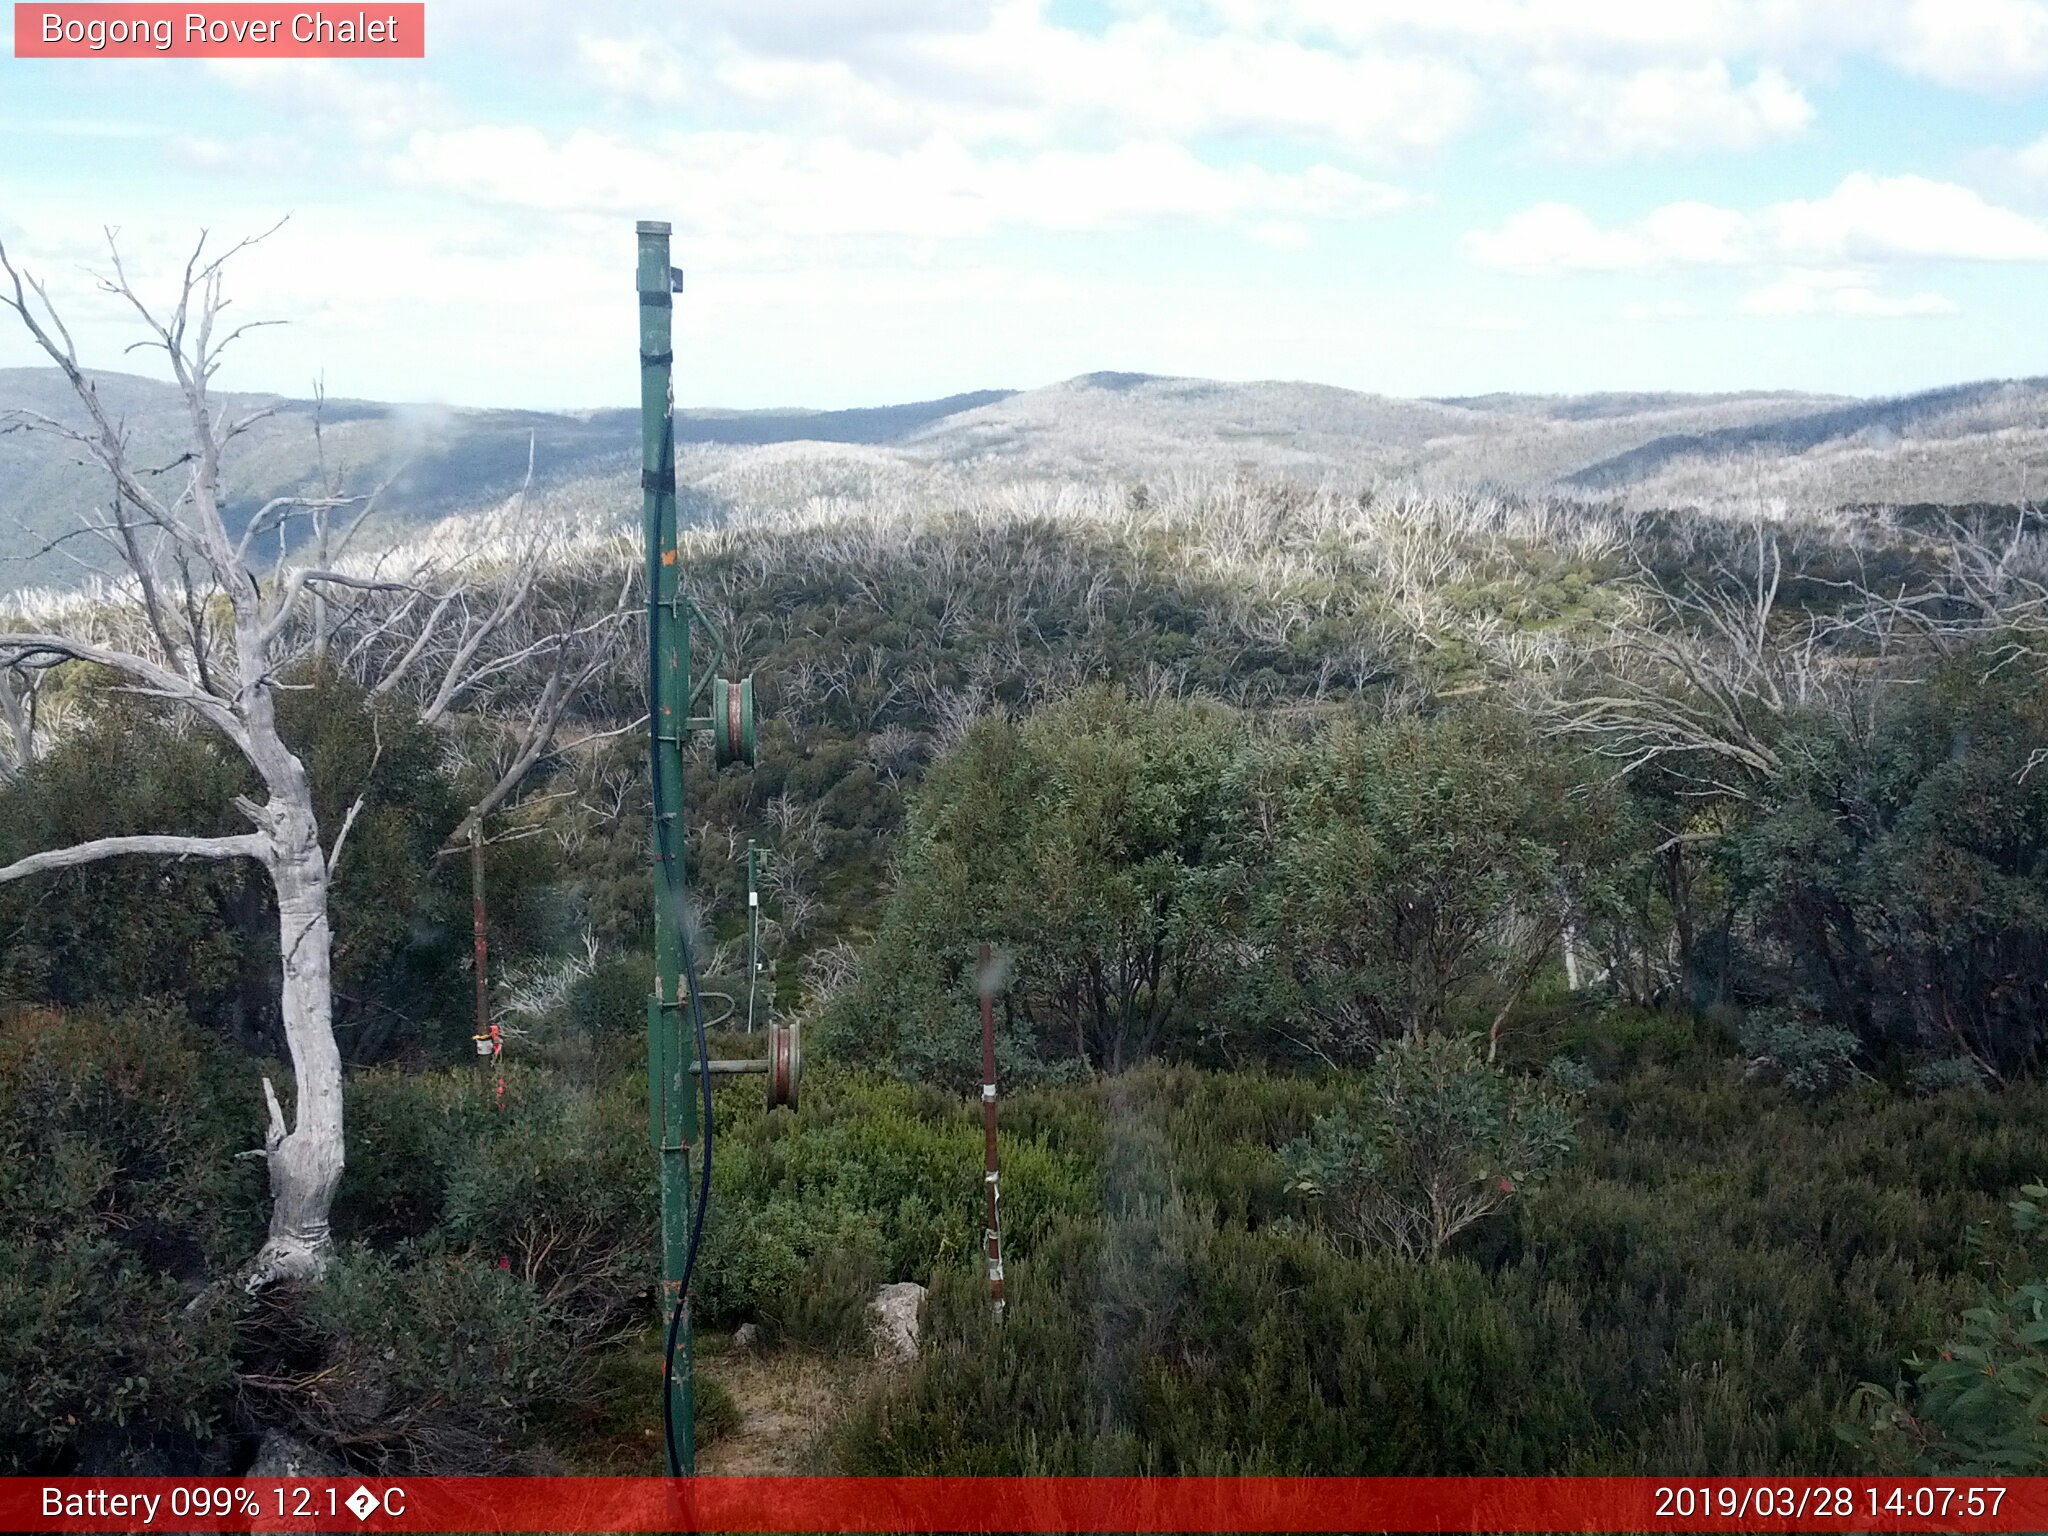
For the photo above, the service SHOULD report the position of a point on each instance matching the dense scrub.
(202, 933)
(1178, 879)
(118, 1203)
(1698, 1291)
(1264, 797)
(1702, 1286)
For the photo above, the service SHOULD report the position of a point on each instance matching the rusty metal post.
(992, 1175)
(476, 914)
(489, 1039)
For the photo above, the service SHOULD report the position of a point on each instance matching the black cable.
(675, 1318)
(696, 1000)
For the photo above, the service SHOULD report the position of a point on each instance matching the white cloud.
(1643, 312)
(374, 104)
(1280, 234)
(1974, 45)
(1014, 76)
(1664, 109)
(1809, 291)
(1595, 32)
(250, 154)
(766, 186)
(1866, 218)
(2031, 162)
(1871, 218)
(1699, 234)
(1556, 237)
(1994, 45)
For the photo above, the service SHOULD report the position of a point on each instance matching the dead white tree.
(1701, 686)
(218, 639)
(515, 636)
(329, 545)
(21, 697)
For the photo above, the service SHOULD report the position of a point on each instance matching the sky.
(887, 200)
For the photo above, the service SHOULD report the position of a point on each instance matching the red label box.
(263, 30)
(1026, 1504)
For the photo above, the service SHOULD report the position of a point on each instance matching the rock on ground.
(893, 1313)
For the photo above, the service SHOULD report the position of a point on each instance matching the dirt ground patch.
(788, 1399)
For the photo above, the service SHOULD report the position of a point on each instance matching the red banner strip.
(67, 30)
(579, 1504)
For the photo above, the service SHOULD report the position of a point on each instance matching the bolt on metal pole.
(672, 1103)
(992, 1175)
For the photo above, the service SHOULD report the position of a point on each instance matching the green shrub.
(1982, 1404)
(1420, 875)
(119, 1200)
(1946, 1073)
(1160, 880)
(559, 1180)
(1811, 1060)
(564, 1185)
(1892, 875)
(1090, 845)
(827, 1306)
(1438, 1139)
(886, 1175)
(1698, 1290)
(405, 1130)
(612, 1000)
(428, 1359)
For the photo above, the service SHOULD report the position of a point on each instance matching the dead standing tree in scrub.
(514, 643)
(511, 649)
(218, 638)
(1701, 692)
(215, 630)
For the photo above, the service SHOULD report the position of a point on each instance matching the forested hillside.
(1491, 985)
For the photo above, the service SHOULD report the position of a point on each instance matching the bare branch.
(156, 680)
(246, 845)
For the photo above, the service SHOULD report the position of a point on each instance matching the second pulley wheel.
(732, 721)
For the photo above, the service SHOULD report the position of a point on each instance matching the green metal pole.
(672, 1104)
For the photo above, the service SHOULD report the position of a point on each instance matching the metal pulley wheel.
(732, 721)
(785, 1063)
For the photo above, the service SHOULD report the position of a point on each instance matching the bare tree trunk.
(306, 1159)
(1570, 937)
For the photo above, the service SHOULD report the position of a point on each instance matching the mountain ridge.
(1983, 441)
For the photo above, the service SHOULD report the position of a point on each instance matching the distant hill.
(1135, 424)
(453, 459)
(1983, 442)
